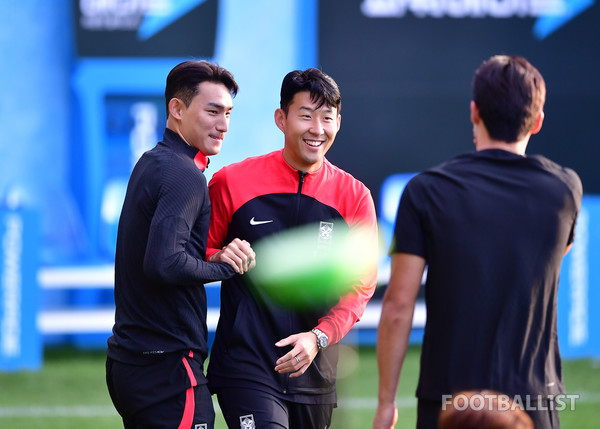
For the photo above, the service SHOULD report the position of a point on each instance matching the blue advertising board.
(578, 291)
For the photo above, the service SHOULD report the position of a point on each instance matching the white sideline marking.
(371, 403)
(108, 410)
(57, 411)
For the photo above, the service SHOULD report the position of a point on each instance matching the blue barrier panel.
(20, 342)
(578, 292)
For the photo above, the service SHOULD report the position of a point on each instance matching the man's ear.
(538, 123)
(176, 107)
(475, 118)
(280, 117)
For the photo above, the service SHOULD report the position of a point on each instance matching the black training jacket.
(160, 267)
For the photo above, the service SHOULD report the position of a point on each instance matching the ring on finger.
(297, 359)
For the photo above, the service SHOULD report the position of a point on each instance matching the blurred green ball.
(299, 268)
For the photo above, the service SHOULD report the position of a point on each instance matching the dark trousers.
(162, 395)
(249, 408)
(428, 414)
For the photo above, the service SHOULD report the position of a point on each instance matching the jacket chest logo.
(325, 232)
(247, 422)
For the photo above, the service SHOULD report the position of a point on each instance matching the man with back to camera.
(274, 367)
(492, 226)
(155, 362)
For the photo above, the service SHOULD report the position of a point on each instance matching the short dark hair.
(183, 80)
(509, 93)
(322, 88)
(483, 409)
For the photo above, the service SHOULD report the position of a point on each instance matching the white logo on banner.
(462, 8)
(579, 279)
(10, 286)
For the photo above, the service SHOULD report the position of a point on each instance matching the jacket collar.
(174, 140)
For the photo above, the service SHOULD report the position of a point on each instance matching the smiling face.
(309, 131)
(205, 121)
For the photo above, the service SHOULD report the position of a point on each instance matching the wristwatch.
(322, 339)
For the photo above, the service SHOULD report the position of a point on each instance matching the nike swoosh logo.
(259, 222)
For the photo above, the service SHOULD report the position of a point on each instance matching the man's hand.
(386, 416)
(297, 360)
(238, 254)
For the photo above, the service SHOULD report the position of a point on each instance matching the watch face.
(322, 339)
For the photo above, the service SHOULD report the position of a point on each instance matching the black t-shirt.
(493, 227)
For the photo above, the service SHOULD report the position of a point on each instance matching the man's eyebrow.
(219, 106)
(310, 109)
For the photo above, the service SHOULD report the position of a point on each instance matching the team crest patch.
(247, 422)
(325, 232)
(201, 426)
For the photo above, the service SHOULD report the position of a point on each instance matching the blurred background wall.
(82, 98)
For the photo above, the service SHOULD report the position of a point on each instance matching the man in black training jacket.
(154, 369)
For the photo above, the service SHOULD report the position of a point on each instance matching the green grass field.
(69, 392)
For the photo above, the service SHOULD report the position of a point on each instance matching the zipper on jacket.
(296, 215)
(301, 176)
